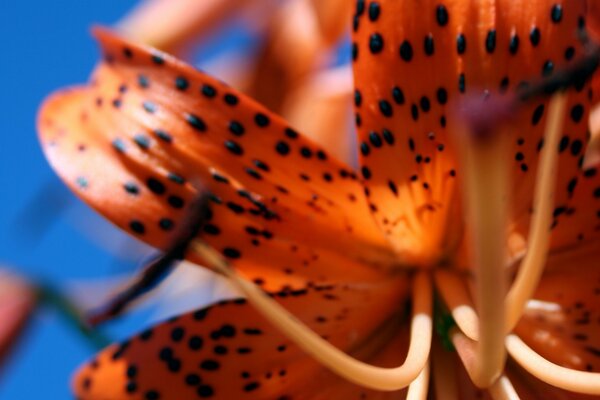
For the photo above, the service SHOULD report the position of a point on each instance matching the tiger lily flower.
(349, 262)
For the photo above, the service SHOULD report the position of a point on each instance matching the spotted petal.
(577, 221)
(413, 64)
(134, 142)
(227, 351)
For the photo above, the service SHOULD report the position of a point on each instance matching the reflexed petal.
(414, 61)
(133, 143)
(228, 351)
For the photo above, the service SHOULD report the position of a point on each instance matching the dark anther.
(574, 75)
(156, 270)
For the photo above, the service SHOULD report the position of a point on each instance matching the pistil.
(485, 189)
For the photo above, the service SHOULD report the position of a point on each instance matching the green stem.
(72, 315)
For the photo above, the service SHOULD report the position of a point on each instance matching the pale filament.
(553, 374)
(452, 289)
(388, 379)
(418, 389)
(485, 189)
(538, 241)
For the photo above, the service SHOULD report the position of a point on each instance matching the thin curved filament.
(553, 374)
(455, 295)
(485, 189)
(360, 373)
(419, 388)
(538, 241)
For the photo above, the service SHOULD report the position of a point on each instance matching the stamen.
(419, 387)
(538, 242)
(503, 389)
(485, 190)
(456, 297)
(555, 375)
(363, 374)
(155, 271)
(444, 379)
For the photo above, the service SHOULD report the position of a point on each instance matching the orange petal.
(562, 322)
(17, 301)
(228, 351)
(133, 142)
(413, 60)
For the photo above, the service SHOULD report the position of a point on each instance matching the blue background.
(45, 46)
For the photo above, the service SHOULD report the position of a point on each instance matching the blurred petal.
(17, 302)
(171, 25)
(321, 107)
(278, 69)
(332, 17)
